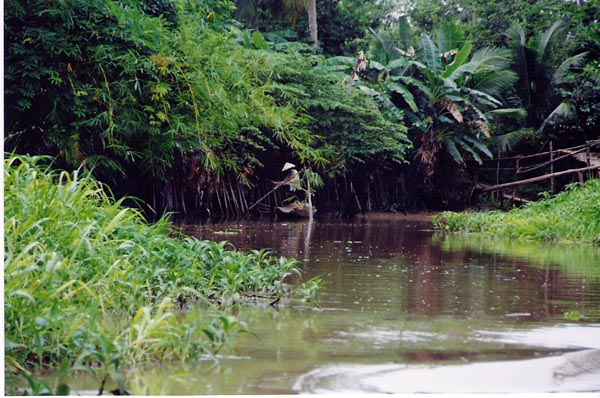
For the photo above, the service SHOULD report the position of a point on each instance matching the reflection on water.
(388, 264)
(401, 303)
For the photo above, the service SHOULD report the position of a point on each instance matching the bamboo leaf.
(24, 294)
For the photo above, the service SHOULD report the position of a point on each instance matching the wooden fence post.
(588, 158)
(552, 168)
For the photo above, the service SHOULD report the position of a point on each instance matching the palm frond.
(487, 59)
(513, 113)
(563, 110)
(491, 58)
(544, 40)
(516, 34)
(504, 143)
(571, 62)
(521, 59)
(495, 82)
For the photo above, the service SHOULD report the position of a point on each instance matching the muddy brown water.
(405, 310)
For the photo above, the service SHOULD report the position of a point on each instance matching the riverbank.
(425, 217)
(570, 216)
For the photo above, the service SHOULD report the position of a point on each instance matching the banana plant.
(460, 95)
(448, 93)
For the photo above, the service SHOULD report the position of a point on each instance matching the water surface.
(406, 310)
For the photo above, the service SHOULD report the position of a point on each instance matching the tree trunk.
(256, 5)
(312, 23)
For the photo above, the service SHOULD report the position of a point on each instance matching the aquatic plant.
(571, 216)
(90, 284)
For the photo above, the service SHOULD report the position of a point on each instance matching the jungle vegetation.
(90, 285)
(570, 216)
(193, 106)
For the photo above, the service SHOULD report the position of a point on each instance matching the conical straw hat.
(288, 166)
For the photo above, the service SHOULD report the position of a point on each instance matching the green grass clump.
(570, 216)
(90, 284)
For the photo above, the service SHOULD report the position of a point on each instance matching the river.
(405, 310)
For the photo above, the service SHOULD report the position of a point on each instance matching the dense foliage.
(573, 216)
(178, 103)
(471, 86)
(342, 25)
(90, 285)
(117, 89)
(184, 103)
(486, 21)
(451, 96)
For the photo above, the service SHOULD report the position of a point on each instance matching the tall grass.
(89, 284)
(570, 216)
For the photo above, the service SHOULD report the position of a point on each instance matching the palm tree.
(312, 23)
(540, 75)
